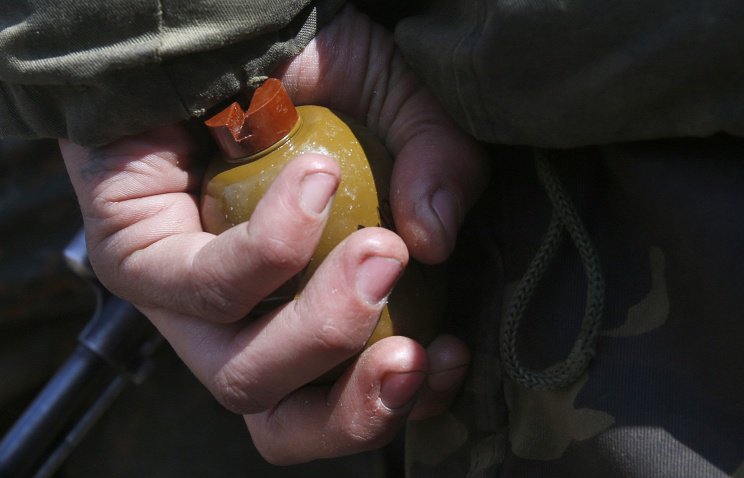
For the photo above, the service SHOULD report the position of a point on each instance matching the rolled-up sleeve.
(94, 71)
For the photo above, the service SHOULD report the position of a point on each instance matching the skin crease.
(139, 200)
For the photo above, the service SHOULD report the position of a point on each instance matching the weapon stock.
(113, 350)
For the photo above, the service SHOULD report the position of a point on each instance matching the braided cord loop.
(564, 219)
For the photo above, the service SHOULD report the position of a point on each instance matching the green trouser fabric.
(663, 395)
(93, 71)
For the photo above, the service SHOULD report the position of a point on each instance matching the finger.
(133, 193)
(362, 411)
(331, 321)
(439, 171)
(449, 359)
(152, 163)
(439, 174)
(222, 278)
(146, 242)
(241, 266)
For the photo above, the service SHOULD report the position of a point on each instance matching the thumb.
(353, 66)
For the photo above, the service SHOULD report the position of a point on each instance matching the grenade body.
(231, 192)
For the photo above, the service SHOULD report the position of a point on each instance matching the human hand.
(139, 198)
(353, 66)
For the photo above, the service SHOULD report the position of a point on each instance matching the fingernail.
(446, 379)
(399, 388)
(316, 191)
(376, 277)
(447, 209)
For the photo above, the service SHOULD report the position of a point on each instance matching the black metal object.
(113, 350)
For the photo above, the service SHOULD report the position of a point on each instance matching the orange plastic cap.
(269, 118)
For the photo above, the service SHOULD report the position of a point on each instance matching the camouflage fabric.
(567, 73)
(93, 72)
(663, 396)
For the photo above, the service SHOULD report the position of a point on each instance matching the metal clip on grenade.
(257, 143)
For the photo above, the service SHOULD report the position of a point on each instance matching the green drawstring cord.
(564, 217)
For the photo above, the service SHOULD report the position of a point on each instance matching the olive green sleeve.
(570, 73)
(93, 71)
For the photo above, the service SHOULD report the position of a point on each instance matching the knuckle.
(102, 207)
(280, 254)
(111, 270)
(272, 440)
(215, 298)
(210, 301)
(275, 455)
(236, 393)
(269, 434)
(332, 338)
(365, 433)
(342, 326)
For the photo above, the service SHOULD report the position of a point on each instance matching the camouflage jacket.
(657, 248)
(662, 222)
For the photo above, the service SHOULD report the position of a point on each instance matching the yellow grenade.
(256, 144)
